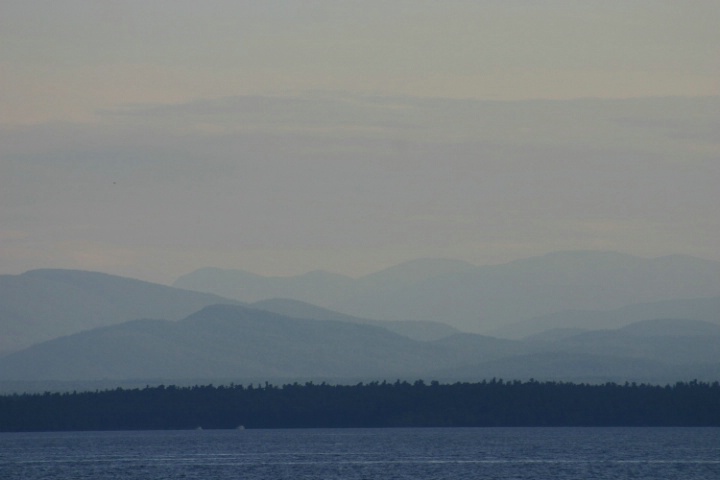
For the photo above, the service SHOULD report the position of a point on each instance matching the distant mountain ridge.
(220, 341)
(482, 298)
(236, 343)
(417, 330)
(704, 309)
(63, 325)
(43, 304)
(318, 287)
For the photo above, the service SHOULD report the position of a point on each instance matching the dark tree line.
(399, 404)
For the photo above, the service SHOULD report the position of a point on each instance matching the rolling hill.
(703, 309)
(223, 341)
(483, 299)
(233, 343)
(41, 305)
(417, 330)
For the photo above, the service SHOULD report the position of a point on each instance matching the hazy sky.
(150, 138)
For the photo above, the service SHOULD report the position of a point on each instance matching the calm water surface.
(493, 453)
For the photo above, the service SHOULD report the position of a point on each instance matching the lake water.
(451, 453)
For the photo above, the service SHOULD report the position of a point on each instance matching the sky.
(152, 138)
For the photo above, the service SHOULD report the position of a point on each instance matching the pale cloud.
(64, 60)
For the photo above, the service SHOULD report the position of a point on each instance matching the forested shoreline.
(376, 404)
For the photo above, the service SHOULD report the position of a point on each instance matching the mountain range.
(703, 308)
(70, 326)
(480, 299)
(44, 304)
(237, 343)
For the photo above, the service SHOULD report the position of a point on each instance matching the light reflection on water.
(501, 453)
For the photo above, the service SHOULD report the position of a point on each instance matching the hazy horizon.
(149, 139)
(355, 275)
